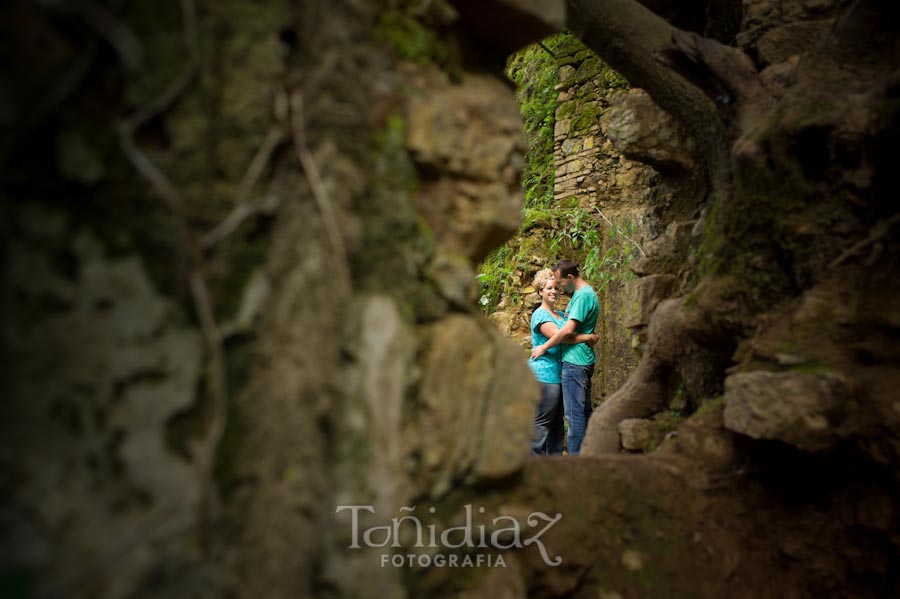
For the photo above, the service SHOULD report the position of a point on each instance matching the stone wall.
(625, 163)
(609, 196)
(593, 175)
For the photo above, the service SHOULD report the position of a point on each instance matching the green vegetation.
(401, 228)
(535, 73)
(580, 233)
(603, 251)
(494, 275)
(665, 423)
(710, 406)
(812, 366)
(556, 228)
(411, 38)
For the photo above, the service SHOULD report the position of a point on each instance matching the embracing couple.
(562, 358)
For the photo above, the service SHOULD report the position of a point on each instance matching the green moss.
(569, 203)
(611, 79)
(812, 366)
(709, 262)
(710, 406)
(589, 68)
(533, 217)
(410, 38)
(587, 115)
(566, 44)
(533, 245)
(535, 74)
(691, 301)
(494, 274)
(664, 423)
(593, 75)
(507, 270)
(584, 55)
(755, 241)
(787, 346)
(398, 242)
(566, 109)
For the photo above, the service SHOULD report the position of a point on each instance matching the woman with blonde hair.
(545, 322)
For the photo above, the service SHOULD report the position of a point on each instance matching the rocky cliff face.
(319, 220)
(241, 295)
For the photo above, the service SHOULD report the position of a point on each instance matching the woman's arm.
(548, 329)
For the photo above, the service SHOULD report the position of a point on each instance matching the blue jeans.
(548, 421)
(576, 391)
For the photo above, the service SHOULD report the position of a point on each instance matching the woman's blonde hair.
(541, 278)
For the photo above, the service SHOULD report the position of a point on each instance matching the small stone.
(633, 560)
(636, 433)
(569, 146)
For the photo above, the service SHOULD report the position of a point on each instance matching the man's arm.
(548, 329)
(587, 338)
(567, 329)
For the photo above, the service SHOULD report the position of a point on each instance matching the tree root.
(673, 358)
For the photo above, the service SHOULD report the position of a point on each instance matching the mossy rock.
(586, 93)
(584, 55)
(587, 117)
(536, 217)
(567, 44)
(589, 68)
(611, 79)
(565, 110)
(664, 423)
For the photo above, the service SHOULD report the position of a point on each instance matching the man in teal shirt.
(578, 359)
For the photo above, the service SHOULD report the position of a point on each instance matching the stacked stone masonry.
(593, 175)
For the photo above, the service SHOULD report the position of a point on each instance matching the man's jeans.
(576, 391)
(548, 421)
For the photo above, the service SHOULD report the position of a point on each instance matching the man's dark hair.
(566, 268)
